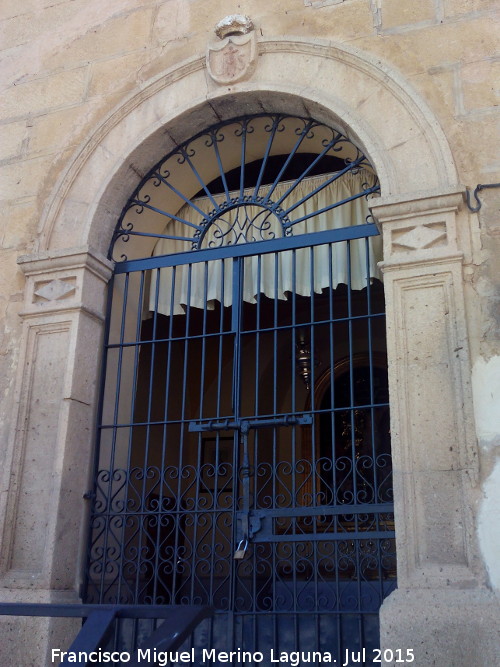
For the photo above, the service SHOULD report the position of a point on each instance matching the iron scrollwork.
(256, 214)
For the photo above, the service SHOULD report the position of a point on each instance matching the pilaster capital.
(65, 280)
(388, 209)
(419, 230)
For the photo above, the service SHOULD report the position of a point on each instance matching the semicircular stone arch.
(350, 91)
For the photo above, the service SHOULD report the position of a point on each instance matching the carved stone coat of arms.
(233, 57)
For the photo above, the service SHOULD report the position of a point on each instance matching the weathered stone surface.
(120, 73)
(49, 92)
(405, 13)
(118, 34)
(460, 7)
(443, 627)
(11, 139)
(23, 178)
(480, 88)
(47, 130)
(22, 218)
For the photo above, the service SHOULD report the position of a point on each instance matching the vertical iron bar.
(275, 545)
(222, 335)
(144, 518)
(312, 328)
(235, 326)
(222, 173)
(179, 507)
(336, 549)
(203, 340)
(131, 430)
(351, 376)
(331, 327)
(115, 428)
(165, 437)
(275, 333)
(98, 431)
(257, 337)
(236, 299)
(293, 355)
(243, 156)
(359, 560)
(276, 121)
(197, 510)
(293, 440)
(216, 513)
(376, 499)
(316, 497)
(370, 364)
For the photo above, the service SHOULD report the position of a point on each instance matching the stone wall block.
(406, 12)
(54, 130)
(23, 217)
(35, 18)
(173, 21)
(119, 73)
(11, 8)
(479, 85)
(50, 92)
(115, 35)
(11, 139)
(23, 178)
(453, 8)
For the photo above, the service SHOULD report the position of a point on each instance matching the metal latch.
(244, 425)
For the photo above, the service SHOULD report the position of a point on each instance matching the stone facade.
(95, 93)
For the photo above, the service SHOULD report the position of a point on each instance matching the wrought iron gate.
(244, 448)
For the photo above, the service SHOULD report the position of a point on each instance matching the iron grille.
(244, 443)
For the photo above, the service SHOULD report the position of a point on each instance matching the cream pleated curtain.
(207, 279)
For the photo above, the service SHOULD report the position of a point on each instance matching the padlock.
(241, 549)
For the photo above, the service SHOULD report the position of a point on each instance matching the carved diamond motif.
(420, 237)
(56, 289)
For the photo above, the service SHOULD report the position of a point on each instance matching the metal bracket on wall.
(479, 187)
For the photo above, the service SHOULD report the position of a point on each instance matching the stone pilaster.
(49, 456)
(433, 437)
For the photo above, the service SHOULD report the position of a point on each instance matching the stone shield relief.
(233, 58)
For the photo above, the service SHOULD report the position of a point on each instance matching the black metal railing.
(178, 622)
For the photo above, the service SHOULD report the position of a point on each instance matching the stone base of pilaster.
(27, 641)
(450, 628)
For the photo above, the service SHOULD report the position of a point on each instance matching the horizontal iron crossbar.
(180, 621)
(328, 510)
(249, 249)
(62, 610)
(264, 536)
